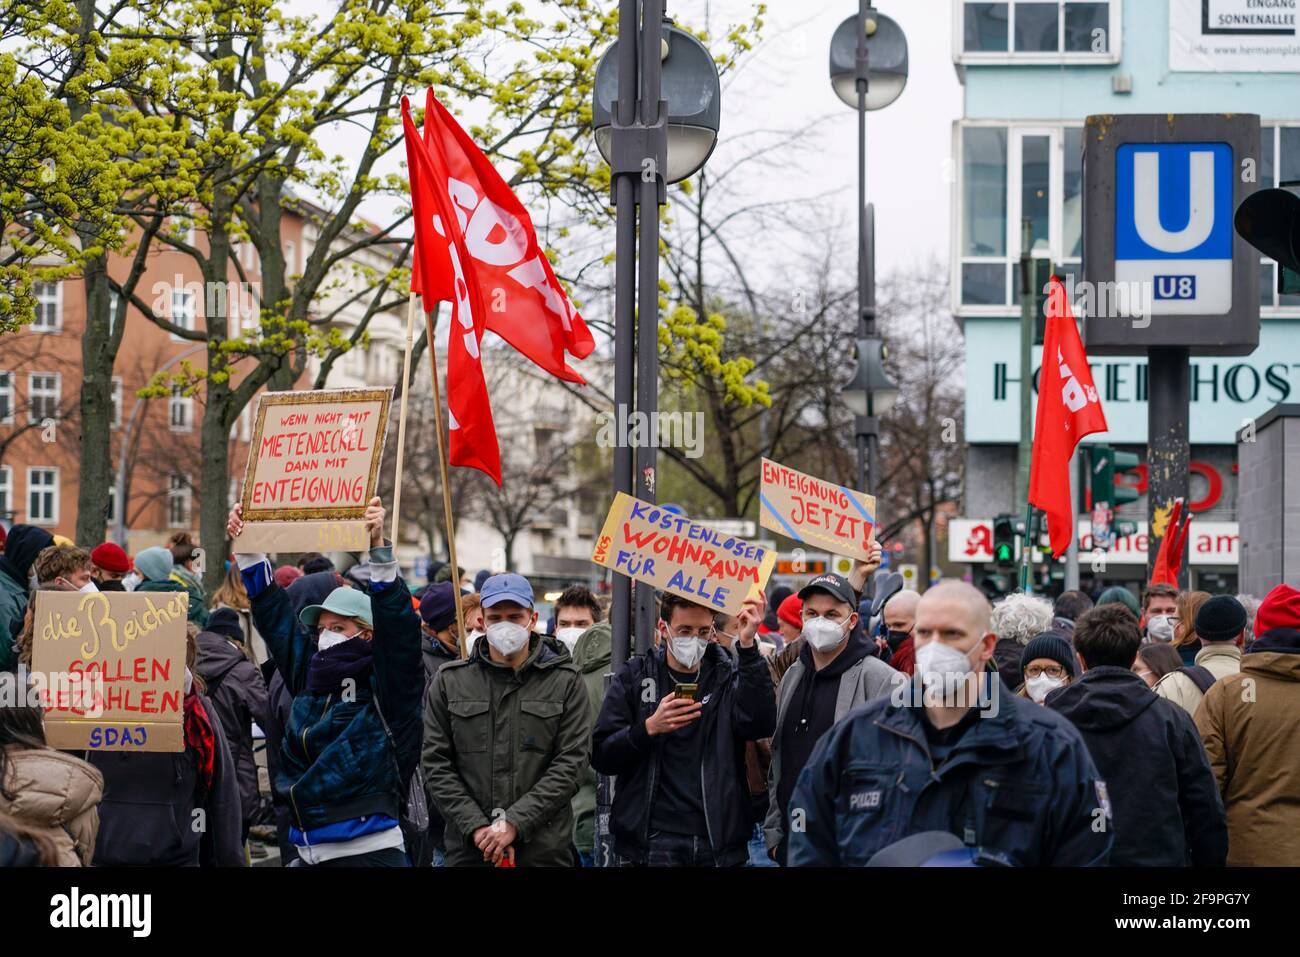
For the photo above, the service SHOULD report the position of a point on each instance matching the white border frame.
(58, 487)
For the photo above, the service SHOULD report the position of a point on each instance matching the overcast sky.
(787, 82)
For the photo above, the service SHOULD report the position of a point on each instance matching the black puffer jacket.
(238, 695)
(1165, 803)
(739, 706)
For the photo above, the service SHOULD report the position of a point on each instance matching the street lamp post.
(868, 67)
(655, 113)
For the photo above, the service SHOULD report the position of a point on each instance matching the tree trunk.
(95, 477)
(214, 478)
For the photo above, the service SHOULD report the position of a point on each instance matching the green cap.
(348, 602)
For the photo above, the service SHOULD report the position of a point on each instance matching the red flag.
(1169, 560)
(445, 269)
(1068, 409)
(526, 305)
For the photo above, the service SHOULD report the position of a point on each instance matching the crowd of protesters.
(449, 725)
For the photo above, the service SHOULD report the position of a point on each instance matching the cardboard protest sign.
(672, 553)
(819, 513)
(111, 666)
(313, 466)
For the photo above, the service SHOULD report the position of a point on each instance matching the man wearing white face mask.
(506, 739)
(951, 754)
(835, 672)
(682, 798)
(64, 568)
(576, 610)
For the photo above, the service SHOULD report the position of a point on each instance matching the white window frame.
(184, 494)
(114, 306)
(6, 491)
(54, 499)
(185, 404)
(115, 396)
(185, 317)
(112, 504)
(42, 301)
(1015, 132)
(7, 389)
(1009, 57)
(1056, 198)
(1274, 310)
(290, 257)
(32, 417)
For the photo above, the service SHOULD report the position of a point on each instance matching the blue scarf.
(327, 670)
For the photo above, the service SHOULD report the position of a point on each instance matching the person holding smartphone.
(673, 728)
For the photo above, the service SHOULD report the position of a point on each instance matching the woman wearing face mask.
(1186, 642)
(1048, 663)
(353, 737)
(1154, 661)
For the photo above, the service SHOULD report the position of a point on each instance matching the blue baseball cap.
(507, 587)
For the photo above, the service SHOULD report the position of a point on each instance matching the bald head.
(900, 611)
(953, 603)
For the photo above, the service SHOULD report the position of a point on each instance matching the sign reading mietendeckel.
(313, 466)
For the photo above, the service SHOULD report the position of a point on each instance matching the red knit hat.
(791, 611)
(1279, 609)
(110, 557)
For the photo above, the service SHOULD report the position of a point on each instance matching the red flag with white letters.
(444, 266)
(526, 305)
(1068, 409)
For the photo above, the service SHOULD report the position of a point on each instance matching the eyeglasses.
(702, 633)
(1052, 671)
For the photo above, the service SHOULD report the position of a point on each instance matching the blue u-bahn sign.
(1159, 196)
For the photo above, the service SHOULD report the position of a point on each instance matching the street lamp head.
(690, 88)
(870, 380)
(886, 60)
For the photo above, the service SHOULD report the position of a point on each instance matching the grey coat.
(869, 678)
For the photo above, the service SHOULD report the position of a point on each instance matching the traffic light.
(1004, 541)
(1107, 463)
(1269, 219)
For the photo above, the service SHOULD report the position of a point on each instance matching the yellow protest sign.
(816, 512)
(672, 553)
(110, 667)
(313, 466)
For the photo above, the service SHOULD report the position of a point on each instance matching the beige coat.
(58, 793)
(1250, 724)
(1219, 658)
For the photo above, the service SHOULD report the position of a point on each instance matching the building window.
(1009, 173)
(114, 308)
(43, 496)
(178, 500)
(180, 409)
(43, 396)
(6, 398)
(1279, 148)
(6, 492)
(1020, 31)
(290, 260)
(115, 394)
(182, 312)
(112, 504)
(49, 306)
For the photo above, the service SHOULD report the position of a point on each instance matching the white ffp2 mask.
(506, 637)
(822, 633)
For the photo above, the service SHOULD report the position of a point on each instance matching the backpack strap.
(1201, 676)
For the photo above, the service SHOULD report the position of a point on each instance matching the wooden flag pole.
(444, 470)
(401, 424)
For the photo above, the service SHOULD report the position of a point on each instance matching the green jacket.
(13, 605)
(499, 742)
(592, 656)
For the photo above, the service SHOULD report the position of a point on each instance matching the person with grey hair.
(1251, 604)
(1017, 619)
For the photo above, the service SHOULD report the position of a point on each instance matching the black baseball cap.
(834, 585)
